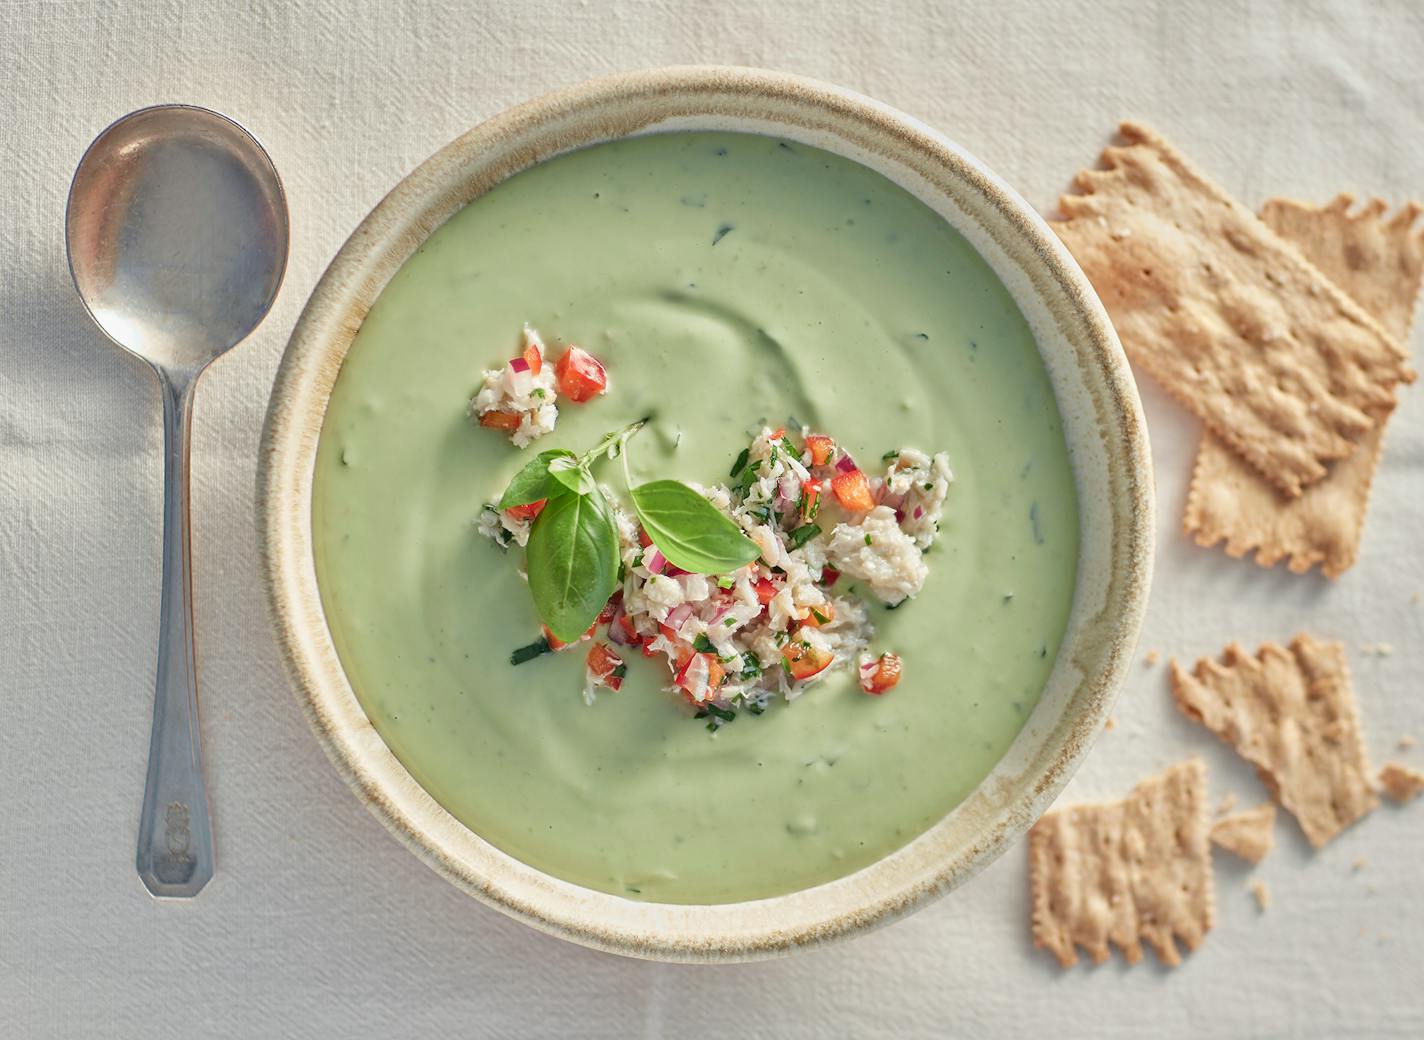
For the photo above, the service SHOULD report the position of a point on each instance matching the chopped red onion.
(845, 463)
(655, 562)
(519, 364)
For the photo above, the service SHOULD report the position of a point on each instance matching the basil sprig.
(573, 553)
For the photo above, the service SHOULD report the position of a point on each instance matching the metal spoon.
(177, 236)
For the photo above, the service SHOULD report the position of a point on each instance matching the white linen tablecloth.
(318, 923)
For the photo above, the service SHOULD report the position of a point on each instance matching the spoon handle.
(175, 840)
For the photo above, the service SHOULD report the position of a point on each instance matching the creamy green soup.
(726, 281)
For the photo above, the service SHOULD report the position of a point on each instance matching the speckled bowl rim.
(1103, 426)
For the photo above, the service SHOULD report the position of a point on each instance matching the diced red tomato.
(533, 358)
(765, 590)
(604, 666)
(880, 675)
(626, 624)
(778, 433)
(528, 512)
(810, 500)
(500, 420)
(818, 616)
(699, 677)
(805, 660)
(668, 631)
(820, 448)
(829, 576)
(555, 643)
(581, 376)
(606, 614)
(643, 538)
(852, 491)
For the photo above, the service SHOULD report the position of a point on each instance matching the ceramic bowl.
(1102, 421)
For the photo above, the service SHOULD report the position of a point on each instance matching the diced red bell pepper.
(606, 614)
(533, 358)
(810, 503)
(501, 420)
(765, 590)
(555, 643)
(778, 433)
(699, 677)
(820, 447)
(643, 538)
(804, 660)
(882, 676)
(604, 666)
(852, 491)
(581, 376)
(527, 512)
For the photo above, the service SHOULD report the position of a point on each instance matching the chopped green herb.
(756, 707)
(741, 462)
(821, 619)
(751, 666)
(927, 486)
(725, 714)
(791, 449)
(803, 534)
(726, 581)
(535, 649)
(620, 671)
(780, 638)
(868, 539)
(762, 513)
(889, 455)
(703, 645)
(897, 606)
(786, 667)
(731, 622)
(539, 392)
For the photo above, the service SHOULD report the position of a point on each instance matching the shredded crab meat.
(784, 622)
(515, 390)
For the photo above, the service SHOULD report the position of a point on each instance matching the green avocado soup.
(726, 281)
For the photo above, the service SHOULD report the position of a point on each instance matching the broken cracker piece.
(1406, 742)
(1291, 713)
(1401, 783)
(1248, 834)
(1123, 872)
(1231, 319)
(1262, 894)
(1380, 263)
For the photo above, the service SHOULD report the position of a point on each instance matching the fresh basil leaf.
(533, 482)
(575, 477)
(572, 562)
(689, 530)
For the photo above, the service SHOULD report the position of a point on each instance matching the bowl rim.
(1108, 607)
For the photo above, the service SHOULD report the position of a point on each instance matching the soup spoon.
(177, 235)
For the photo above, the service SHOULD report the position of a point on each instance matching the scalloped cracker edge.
(1380, 263)
(1290, 712)
(1226, 315)
(1124, 872)
(1248, 834)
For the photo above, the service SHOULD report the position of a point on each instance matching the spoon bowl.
(177, 236)
(177, 232)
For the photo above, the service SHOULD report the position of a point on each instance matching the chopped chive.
(741, 462)
(897, 606)
(703, 645)
(731, 622)
(821, 619)
(927, 486)
(889, 455)
(804, 534)
(786, 667)
(868, 539)
(535, 649)
(756, 707)
(721, 713)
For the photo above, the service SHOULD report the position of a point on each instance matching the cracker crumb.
(1291, 713)
(1405, 742)
(1151, 658)
(1262, 894)
(1401, 783)
(1247, 834)
(1109, 724)
(1359, 864)
(1414, 599)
